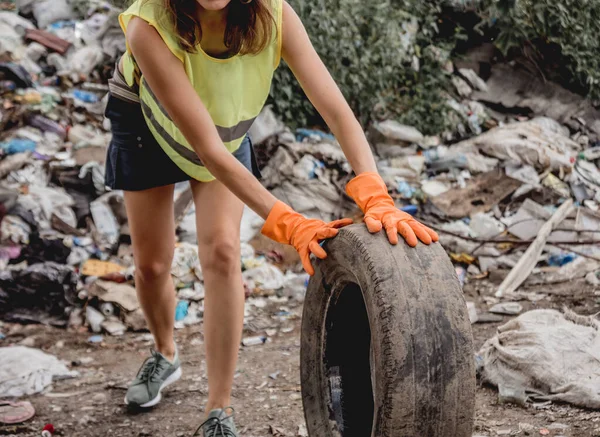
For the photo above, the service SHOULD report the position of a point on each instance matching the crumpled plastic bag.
(14, 229)
(186, 264)
(85, 60)
(539, 142)
(103, 214)
(545, 355)
(48, 201)
(265, 126)
(97, 172)
(264, 277)
(47, 12)
(26, 371)
(16, 22)
(250, 226)
(10, 40)
(40, 293)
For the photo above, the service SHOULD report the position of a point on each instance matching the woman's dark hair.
(249, 25)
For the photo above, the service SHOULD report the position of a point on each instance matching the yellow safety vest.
(234, 90)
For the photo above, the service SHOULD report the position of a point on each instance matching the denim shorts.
(135, 161)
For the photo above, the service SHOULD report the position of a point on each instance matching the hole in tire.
(348, 363)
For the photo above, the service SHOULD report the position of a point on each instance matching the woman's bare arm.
(167, 79)
(323, 92)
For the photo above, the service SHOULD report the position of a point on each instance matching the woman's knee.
(220, 255)
(153, 269)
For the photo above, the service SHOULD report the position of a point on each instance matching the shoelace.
(151, 368)
(216, 427)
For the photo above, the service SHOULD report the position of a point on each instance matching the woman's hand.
(286, 226)
(371, 194)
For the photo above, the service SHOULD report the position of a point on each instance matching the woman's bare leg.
(218, 217)
(152, 227)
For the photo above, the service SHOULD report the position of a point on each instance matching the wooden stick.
(526, 264)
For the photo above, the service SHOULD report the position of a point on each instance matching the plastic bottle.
(46, 125)
(254, 341)
(107, 308)
(85, 96)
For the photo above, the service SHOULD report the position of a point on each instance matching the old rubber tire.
(386, 348)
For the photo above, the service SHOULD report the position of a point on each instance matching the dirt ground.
(267, 386)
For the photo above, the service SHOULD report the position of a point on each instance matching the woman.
(195, 75)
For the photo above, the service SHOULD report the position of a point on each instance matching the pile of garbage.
(522, 193)
(505, 190)
(65, 250)
(55, 58)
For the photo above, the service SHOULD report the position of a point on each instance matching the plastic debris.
(254, 341)
(17, 145)
(105, 221)
(394, 131)
(186, 265)
(507, 308)
(528, 356)
(461, 274)
(39, 293)
(529, 259)
(48, 430)
(473, 315)
(265, 277)
(15, 412)
(94, 267)
(26, 371)
(486, 226)
(434, 188)
(114, 327)
(94, 319)
(181, 311)
(561, 259)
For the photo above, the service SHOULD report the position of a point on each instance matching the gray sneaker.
(218, 424)
(155, 374)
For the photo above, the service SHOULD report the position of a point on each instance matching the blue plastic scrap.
(561, 259)
(181, 311)
(85, 96)
(17, 145)
(301, 134)
(410, 209)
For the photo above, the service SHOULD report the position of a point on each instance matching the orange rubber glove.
(371, 194)
(286, 226)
